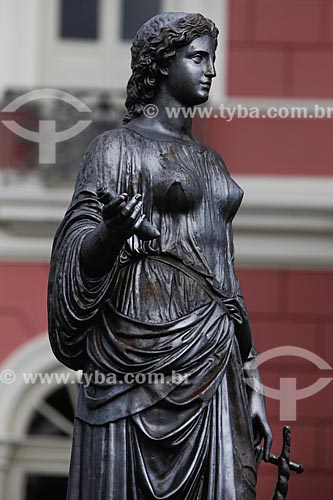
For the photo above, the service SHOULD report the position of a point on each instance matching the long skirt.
(206, 453)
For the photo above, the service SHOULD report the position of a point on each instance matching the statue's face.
(191, 71)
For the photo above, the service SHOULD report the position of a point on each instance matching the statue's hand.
(122, 217)
(261, 428)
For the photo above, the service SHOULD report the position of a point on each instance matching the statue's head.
(153, 48)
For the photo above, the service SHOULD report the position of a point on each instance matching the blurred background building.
(273, 54)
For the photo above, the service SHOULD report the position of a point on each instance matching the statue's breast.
(183, 178)
(176, 192)
(177, 186)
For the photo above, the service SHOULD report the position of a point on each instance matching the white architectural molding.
(21, 454)
(20, 48)
(18, 399)
(283, 221)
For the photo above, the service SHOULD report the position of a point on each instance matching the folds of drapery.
(76, 300)
(87, 332)
(184, 359)
(170, 451)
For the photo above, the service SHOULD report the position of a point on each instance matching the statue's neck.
(167, 117)
(172, 115)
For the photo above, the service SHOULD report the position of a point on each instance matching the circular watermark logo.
(150, 110)
(47, 136)
(288, 394)
(7, 377)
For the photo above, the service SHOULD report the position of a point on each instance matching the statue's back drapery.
(159, 310)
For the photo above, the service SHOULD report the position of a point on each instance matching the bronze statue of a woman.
(143, 295)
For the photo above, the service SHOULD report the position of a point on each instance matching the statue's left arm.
(254, 386)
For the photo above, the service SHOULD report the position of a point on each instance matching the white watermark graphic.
(228, 113)
(287, 393)
(47, 137)
(9, 377)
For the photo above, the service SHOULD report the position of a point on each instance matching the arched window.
(52, 420)
(36, 424)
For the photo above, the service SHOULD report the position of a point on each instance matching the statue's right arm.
(85, 247)
(101, 246)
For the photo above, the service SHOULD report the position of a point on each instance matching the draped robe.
(164, 308)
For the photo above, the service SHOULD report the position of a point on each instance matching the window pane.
(135, 14)
(39, 424)
(60, 401)
(79, 19)
(42, 487)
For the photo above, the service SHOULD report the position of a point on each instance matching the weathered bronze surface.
(142, 283)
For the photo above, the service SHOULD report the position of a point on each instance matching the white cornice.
(283, 221)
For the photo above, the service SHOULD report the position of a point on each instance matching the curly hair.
(154, 46)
